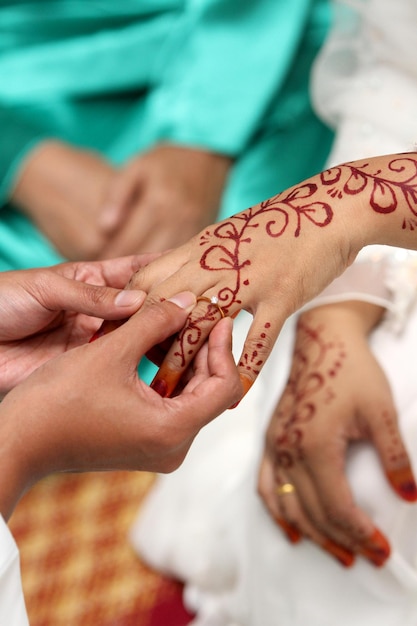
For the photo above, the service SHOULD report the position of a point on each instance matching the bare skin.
(90, 209)
(75, 413)
(58, 308)
(62, 189)
(160, 199)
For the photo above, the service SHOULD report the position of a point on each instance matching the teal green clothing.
(231, 76)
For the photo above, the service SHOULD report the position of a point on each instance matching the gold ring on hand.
(285, 489)
(214, 301)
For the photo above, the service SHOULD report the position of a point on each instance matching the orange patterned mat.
(78, 568)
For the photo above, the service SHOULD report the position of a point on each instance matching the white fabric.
(365, 79)
(205, 523)
(364, 85)
(12, 604)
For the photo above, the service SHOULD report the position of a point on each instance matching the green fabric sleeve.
(223, 67)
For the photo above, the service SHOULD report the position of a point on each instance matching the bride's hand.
(273, 257)
(336, 394)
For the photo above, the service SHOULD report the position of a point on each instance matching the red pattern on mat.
(78, 568)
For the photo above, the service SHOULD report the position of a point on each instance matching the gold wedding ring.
(213, 300)
(285, 489)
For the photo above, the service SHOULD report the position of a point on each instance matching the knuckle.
(260, 345)
(140, 278)
(95, 295)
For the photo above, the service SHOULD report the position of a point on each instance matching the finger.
(266, 489)
(329, 504)
(258, 345)
(215, 357)
(281, 500)
(153, 324)
(216, 382)
(121, 193)
(291, 502)
(115, 272)
(396, 462)
(118, 271)
(186, 346)
(64, 294)
(164, 269)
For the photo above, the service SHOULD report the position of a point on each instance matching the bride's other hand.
(336, 395)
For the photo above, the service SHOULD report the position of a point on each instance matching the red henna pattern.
(311, 374)
(252, 363)
(190, 337)
(274, 216)
(227, 244)
(383, 196)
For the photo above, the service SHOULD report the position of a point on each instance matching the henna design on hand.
(315, 363)
(226, 247)
(252, 362)
(353, 179)
(190, 336)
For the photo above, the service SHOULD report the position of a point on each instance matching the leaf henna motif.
(385, 190)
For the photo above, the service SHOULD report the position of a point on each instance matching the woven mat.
(78, 568)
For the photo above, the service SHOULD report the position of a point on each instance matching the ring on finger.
(284, 489)
(214, 301)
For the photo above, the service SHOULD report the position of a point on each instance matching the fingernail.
(293, 535)
(160, 387)
(129, 297)
(403, 482)
(341, 554)
(376, 549)
(106, 328)
(185, 300)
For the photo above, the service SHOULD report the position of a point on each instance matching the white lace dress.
(205, 523)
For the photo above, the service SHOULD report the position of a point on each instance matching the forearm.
(363, 202)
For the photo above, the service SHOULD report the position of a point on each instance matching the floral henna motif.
(315, 363)
(384, 190)
(227, 245)
(274, 216)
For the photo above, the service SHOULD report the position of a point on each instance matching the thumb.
(67, 294)
(155, 323)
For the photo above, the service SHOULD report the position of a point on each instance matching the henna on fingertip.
(340, 553)
(292, 533)
(403, 482)
(376, 549)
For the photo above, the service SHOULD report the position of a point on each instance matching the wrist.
(352, 316)
(378, 200)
